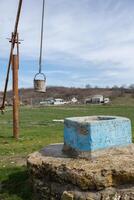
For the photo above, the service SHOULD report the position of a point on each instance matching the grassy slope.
(38, 130)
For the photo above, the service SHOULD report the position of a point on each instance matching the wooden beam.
(15, 66)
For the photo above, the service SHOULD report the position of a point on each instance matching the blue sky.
(86, 41)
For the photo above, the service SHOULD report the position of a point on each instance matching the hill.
(28, 96)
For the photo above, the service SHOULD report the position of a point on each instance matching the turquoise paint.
(97, 132)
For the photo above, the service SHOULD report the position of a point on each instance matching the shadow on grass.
(17, 185)
(6, 137)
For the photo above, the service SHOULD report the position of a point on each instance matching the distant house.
(89, 100)
(49, 101)
(97, 99)
(59, 102)
(74, 100)
(106, 100)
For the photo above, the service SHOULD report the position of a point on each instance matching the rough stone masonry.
(106, 174)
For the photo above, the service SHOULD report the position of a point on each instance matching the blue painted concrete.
(97, 132)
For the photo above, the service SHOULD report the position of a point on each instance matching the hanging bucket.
(40, 83)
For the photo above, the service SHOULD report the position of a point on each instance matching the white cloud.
(89, 34)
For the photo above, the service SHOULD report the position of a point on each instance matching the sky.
(85, 41)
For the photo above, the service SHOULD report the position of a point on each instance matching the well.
(67, 172)
(92, 133)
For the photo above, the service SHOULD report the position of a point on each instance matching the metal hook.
(40, 74)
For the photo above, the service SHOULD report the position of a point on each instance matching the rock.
(106, 177)
(67, 196)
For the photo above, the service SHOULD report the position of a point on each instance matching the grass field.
(37, 130)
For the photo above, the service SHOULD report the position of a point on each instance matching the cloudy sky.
(86, 41)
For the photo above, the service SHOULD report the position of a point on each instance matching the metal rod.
(11, 52)
(15, 65)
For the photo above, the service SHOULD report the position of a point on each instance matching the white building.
(59, 102)
(106, 100)
(98, 99)
(47, 102)
(74, 100)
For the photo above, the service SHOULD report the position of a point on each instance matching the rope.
(42, 36)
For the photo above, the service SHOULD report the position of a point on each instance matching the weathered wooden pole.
(15, 67)
(13, 41)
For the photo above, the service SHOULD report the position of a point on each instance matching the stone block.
(93, 133)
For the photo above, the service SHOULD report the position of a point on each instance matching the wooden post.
(15, 66)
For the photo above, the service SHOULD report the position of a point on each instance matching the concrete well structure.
(93, 133)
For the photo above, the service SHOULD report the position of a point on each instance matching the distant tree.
(123, 86)
(107, 87)
(88, 86)
(122, 90)
(115, 87)
(131, 88)
(96, 87)
(115, 92)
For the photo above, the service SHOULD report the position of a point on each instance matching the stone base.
(108, 175)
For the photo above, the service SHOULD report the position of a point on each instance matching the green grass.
(37, 130)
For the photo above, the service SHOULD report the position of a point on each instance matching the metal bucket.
(40, 84)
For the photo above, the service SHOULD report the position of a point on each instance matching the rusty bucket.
(40, 82)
